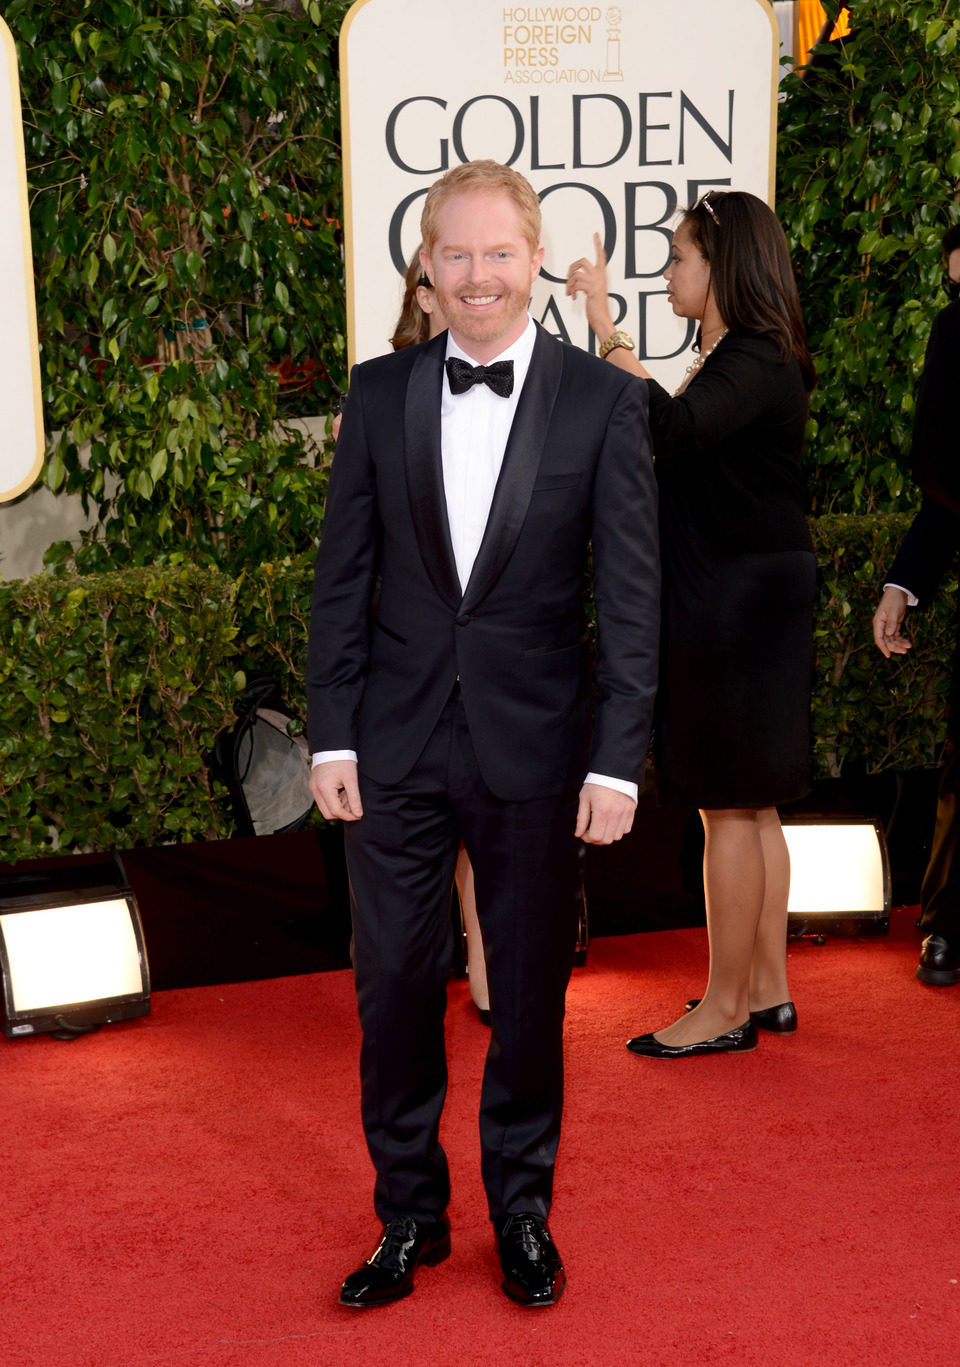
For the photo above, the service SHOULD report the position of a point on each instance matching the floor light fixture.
(839, 875)
(72, 954)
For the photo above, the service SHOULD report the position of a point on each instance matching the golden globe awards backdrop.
(21, 445)
(618, 114)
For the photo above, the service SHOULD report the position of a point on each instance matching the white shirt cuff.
(619, 785)
(324, 756)
(912, 599)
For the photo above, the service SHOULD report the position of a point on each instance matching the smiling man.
(450, 698)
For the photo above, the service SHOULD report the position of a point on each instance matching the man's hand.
(336, 791)
(604, 814)
(887, 620)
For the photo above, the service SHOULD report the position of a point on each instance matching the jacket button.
(463, 620)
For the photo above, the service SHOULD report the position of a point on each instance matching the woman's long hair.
(750, 270)
(413, 325)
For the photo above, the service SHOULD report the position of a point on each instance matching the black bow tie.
(462, 375)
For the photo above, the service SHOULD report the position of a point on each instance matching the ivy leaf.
(55, 471)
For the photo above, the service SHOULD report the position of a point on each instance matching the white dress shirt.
(474, 430)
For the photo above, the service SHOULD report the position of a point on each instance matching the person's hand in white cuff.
(887, 621)
(335, 788)
(605, 813)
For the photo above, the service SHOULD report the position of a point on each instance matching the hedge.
(115, 686)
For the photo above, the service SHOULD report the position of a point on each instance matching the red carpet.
(189, 1190)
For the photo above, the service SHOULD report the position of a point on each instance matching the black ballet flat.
(779, 1020)
(738, 1041)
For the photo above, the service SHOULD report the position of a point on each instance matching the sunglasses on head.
(710, 210)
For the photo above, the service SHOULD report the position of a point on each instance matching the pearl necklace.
(698, 362)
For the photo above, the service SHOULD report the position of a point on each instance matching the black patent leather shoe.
(532, 1271)
(738, 1041)
(779, 1020)
(939, 962)
(387, 1275)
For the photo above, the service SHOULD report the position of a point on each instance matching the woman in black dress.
(732, 735)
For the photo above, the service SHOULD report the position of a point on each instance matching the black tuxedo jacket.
(390, 630)
(931, 543)
(936, 443)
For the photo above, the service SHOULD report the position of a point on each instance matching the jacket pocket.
(536, 651)
(559, 481)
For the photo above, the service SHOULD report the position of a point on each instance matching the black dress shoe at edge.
(779, 1020)
(738, 1041)
(939, 964)
(387, 1275)
(532, 1271)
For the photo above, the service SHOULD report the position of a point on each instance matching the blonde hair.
(489, 176)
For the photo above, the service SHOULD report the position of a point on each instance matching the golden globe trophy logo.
(21, 452)
(555, 44)
(619, 115)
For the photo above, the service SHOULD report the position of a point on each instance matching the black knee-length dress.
(733, 722)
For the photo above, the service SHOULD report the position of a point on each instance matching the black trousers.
(940, 892)
(401, 856)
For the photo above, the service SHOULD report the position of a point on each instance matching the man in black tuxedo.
(927, 552)
(449, 697)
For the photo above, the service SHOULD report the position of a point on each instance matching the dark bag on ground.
(266, 768)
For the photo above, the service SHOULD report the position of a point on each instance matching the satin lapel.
(421, 438)
(521, 461)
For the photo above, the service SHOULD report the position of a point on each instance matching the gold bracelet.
(616, 339)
